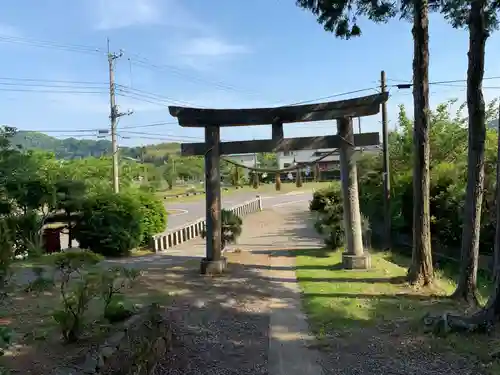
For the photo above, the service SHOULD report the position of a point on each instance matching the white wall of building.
(285, 159)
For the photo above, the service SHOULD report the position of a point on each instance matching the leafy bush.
(111, 224)
(6, 335)
(79, 286)
(328, 205)
(154, 214)
(114, 281)
(118, 310)
(41, 283)
(325, 196)
(231, 227)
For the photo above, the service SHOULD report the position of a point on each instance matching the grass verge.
(355, 305)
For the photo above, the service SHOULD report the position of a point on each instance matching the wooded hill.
(72, 148)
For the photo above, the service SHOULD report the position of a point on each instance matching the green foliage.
(72, 261)
(340, 17)
(79, 286)
(114, 281)
(153, 212)
(324, 197)
(41, 282)
(27, 236)
(6, 335)
(118, 310)
(448, 140)
(237, 176)
(328, 204)
(110, 224)
(231, 227)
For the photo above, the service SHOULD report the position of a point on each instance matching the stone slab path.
(289, 336)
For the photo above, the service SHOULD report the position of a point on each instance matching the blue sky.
(219, 53)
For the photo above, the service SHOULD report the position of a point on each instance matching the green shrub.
(6, 334)
(77, 290)
(325, 196)
(154, 214)
(231, 227)
(118, 310)
(328, 205)
(110, 224)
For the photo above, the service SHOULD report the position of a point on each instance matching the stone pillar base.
(213, 267)
(356, 262)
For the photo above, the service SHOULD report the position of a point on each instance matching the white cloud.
(211, 47)
(8, 30)
(117, 14)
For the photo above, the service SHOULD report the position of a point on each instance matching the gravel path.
(221, 325)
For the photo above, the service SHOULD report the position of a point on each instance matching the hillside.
(72, 148)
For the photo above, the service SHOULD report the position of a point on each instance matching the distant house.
(288, 158)
(248, 160)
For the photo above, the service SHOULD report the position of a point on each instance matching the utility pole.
(114, 115)
(387, 176)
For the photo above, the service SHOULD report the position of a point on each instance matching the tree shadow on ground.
(221, 324)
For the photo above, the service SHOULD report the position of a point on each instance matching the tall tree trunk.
(492, 308)
(490, 313)
(496, 255)
(421, 270)
(467, 282)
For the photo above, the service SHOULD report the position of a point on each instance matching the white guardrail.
(174, 237)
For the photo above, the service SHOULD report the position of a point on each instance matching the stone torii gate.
(342, 111)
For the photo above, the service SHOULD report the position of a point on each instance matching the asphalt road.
(185, 212)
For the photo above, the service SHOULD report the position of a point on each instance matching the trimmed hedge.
(154, 214)
(110, 224)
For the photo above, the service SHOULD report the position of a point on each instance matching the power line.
(150, 95)
(155, 124)
(407, 85)
(50, 45)
(71, 86)
(52, 91)
(332, 96)
(146, 63)
(141, 99)
(50, 80)
(160, 135)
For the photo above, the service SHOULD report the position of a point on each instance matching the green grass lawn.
(347, 303)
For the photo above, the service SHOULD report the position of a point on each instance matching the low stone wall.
(134, 350)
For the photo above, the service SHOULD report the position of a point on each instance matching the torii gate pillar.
(354, 257)
(214, 263)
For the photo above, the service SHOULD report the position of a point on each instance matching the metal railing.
(177, 236)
